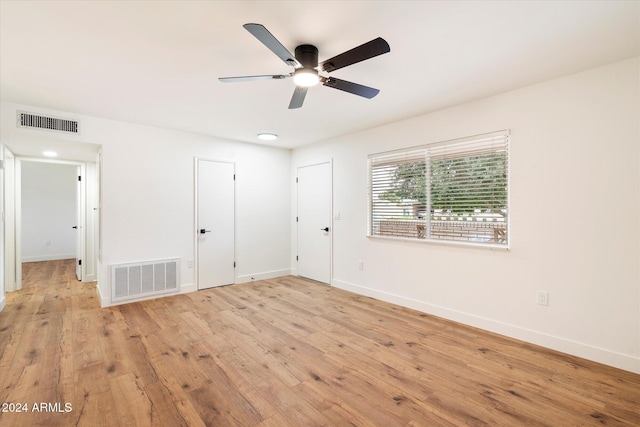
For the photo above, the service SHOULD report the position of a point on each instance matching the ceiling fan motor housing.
(307, 55)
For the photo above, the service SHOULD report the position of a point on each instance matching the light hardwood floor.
(281, 352)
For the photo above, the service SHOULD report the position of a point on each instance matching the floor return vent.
(143, 279)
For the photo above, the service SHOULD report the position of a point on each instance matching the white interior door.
(314, 222)
(78, 226)
(215, 223)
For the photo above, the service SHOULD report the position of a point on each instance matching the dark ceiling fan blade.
(357, 54)
(354, 88)
(250, 78)
(298, 97)
(262, 34)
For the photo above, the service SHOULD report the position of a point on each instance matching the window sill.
(491, 246)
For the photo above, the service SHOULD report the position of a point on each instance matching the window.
(448, 191)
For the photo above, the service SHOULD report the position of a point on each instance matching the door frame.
(196, 247)
(83, 221)
(331, 216)
(10, 260)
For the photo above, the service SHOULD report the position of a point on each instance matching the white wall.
(575, 197)
(148, 199)
(2, 292)
(148, 195)
(49, 211)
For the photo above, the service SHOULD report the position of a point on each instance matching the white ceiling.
(157, 63)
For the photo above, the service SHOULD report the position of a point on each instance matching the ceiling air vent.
(29, 120)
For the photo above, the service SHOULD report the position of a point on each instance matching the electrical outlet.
(543, 298)
(360, 265)
(190, 263)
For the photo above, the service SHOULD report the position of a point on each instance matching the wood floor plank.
(258, 400)
(94, 404)
(281, 352)
(173, 365)
(173, 407)
(218, 405)
(132, 400)
(336, 409)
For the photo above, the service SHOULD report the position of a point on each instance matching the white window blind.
(452, 191)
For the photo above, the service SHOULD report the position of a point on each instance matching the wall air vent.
(35, 121)
(144, 279)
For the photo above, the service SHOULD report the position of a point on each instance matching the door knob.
(202, 231)
(75, 226)
(326, 229)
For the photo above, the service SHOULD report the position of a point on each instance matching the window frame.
(502, 139)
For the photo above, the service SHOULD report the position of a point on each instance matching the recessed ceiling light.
(50, 154)
(267, 136)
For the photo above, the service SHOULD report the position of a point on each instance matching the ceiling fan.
(306, 65)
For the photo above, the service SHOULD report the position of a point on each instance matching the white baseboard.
(2, 303)
(263, 276)
(103, 301)
(185, 289)
(596, 354)
(89, 278)
(49, 257)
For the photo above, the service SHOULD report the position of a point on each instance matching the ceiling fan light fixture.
(306, 77)
(267, 136)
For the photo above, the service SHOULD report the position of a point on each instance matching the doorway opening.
(54, 217)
